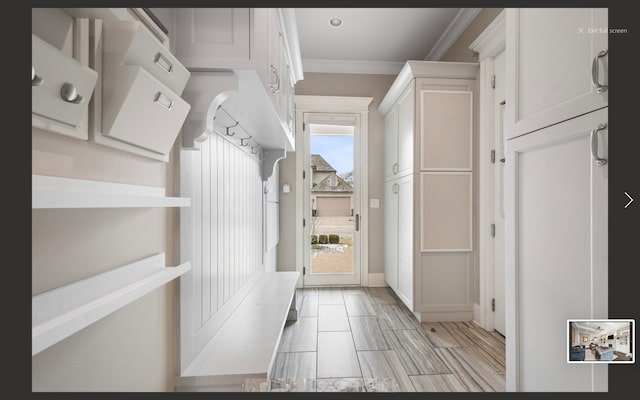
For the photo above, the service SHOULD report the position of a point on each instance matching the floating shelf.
(56, 192)
(61, 312)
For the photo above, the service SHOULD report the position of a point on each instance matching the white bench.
(245, 345)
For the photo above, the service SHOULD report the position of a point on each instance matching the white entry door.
(331, 197)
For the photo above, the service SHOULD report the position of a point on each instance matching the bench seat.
(245, 345)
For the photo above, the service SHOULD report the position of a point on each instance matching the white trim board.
(459, 23)
(493, 39)
(352, 66)
(488, 44)
(337, 105)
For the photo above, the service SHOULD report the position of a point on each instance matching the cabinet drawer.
(130, 43)
(53, 74)
(140, 110)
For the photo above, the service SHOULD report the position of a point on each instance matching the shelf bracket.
(271, 158)
(205, 92)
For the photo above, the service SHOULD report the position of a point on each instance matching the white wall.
(134, 348)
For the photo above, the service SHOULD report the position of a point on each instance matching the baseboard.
(377, 280)
(477, 314)
(445, 316)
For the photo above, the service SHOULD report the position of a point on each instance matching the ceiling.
(605, 327)
(376, 39)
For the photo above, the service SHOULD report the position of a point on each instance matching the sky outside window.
(336, 150)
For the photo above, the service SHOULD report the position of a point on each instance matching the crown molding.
(287, 16)
(352, 66)
(459, 23)
(493, 39)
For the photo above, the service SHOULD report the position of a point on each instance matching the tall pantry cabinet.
(428, 168)
(556, 188)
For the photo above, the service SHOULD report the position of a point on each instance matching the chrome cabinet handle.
(595, 72)
(395, 188)
(594, 144)
(164, 63)
(35, 79)
(70, 94)
(395, 168)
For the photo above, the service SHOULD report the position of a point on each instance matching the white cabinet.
(557, 62)
(556, 192)
(140, 105)
(404, 189)
(131, 43)
(255, 45)
(398, 245)
(428, 190)
(557, 250)
(391, 234)
(207, 38)
(61, 88)
(390, 142)
(62, 83)
(399, 136)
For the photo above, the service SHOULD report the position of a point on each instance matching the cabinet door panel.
(550, 53)
(391, 234)
(405, 240)
(390, 142)
(446, 204)
(210, 37)
(446, 130)
(406, 114)
(556, 265)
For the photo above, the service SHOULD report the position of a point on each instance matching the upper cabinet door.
(391, 143)
(556, 65)
(406, 116)
(209, 38)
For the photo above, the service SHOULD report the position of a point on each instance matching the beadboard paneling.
(221, 235)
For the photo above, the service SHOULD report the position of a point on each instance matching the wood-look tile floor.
(348, 337)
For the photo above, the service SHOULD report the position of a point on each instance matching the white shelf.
(61, 312)
(56, 192)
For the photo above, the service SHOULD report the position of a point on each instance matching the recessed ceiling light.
(335, 22)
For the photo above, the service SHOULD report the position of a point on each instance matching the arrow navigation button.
(630, 199)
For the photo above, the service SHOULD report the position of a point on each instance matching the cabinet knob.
(35, 79)
(595, 71)
(70, 94)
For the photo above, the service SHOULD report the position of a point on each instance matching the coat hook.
(242, 141)
(232, 126)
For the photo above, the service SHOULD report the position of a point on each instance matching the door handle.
(357, 222)
(600, 88)
(594, 144)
